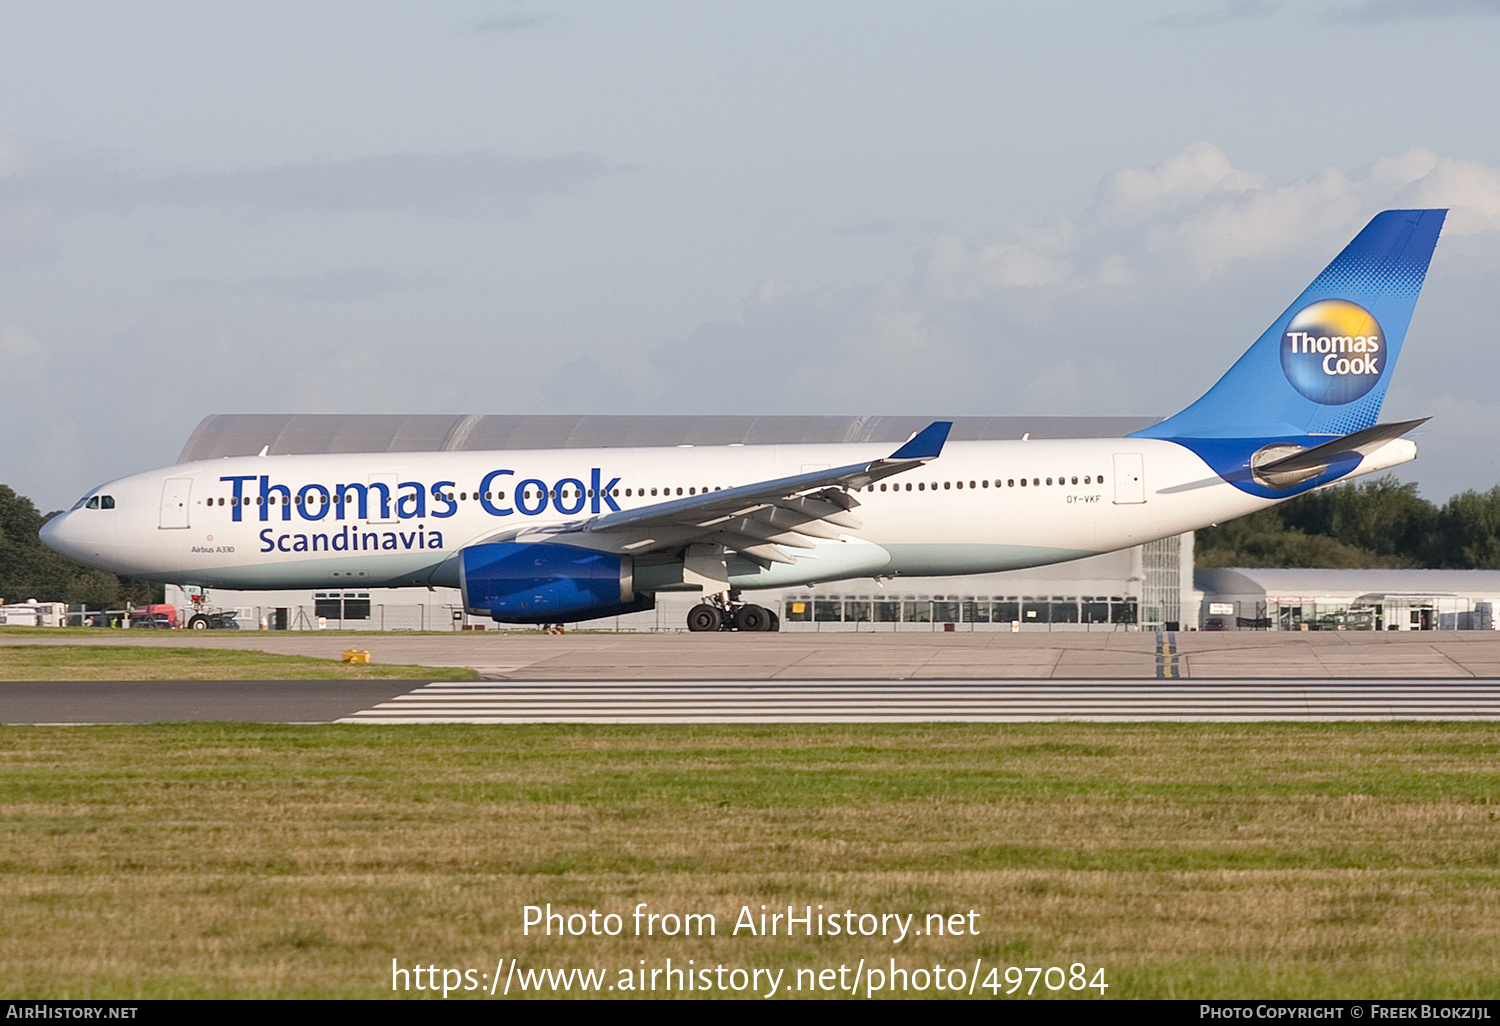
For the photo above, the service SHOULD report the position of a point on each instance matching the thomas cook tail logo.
(1333, 351)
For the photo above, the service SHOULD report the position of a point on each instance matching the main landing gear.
(728, 613)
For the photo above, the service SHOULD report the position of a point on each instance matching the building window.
(828, 610)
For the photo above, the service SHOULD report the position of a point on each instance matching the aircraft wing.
(760, 520)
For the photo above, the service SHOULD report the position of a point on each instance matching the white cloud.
(1195, 213)
(11, 156)
(1265, 222)
(345, 285)
(1409, 10)
(21, 356)
(42, 186)
(1192, 176)
(1470, 189)
(1169, 261)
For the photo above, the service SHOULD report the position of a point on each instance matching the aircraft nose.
(51, 532)
(59, 535)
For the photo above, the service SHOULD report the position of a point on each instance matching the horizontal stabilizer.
(1360, 443)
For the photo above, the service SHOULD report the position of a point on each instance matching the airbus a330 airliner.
(548, 536)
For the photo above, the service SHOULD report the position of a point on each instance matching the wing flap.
(756, 519)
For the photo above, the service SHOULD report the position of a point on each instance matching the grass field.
(114, 662)
(1188, 861)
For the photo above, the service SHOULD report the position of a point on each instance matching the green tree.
(1469, 531)
(1263, 540)
(1384, 517)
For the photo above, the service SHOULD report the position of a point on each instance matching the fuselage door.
(175, 493)
(1130, 480)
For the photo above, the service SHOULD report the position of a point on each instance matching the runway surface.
(813, 701)
(192, 701)
(937, 701)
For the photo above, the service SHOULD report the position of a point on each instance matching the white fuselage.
(261, 522)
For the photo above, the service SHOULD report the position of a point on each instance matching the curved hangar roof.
(245, 434)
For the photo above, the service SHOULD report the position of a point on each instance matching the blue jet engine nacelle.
(540, 582)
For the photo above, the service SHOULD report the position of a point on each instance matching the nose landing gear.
(728, 613)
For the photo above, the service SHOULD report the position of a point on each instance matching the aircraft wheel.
(753, 618)
(198, 623)
(775, 621)
(703, 617)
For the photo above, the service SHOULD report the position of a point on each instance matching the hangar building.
(1381, 600)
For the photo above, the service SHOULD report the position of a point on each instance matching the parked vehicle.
(158, 614)
(151, 621)
(222, 620)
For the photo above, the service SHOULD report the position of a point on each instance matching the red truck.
(159, 615)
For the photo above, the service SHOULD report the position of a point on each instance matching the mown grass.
(1188, 861)
(119, 662)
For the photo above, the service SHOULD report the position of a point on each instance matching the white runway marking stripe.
(859, 701)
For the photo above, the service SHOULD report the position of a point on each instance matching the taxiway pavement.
(961, 655)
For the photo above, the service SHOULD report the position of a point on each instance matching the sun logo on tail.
(1333, 351)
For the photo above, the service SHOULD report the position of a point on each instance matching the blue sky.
(497, 207)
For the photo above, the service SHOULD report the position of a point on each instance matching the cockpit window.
(93, 503)
(106, 502)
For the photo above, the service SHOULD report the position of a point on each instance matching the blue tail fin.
(1323, 367)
